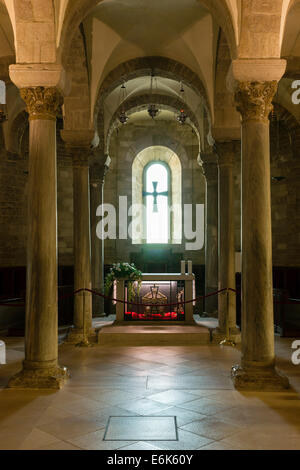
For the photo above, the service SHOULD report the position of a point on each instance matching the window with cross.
(156, 193)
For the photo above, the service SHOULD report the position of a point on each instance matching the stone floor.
(190, 383)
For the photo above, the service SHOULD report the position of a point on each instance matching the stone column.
(97, 182)
(40, 367)
(254, 102)
(210, 169)
(227, 328)
(78, 145)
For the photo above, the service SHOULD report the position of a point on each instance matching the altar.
(158, 316)
(161, 298)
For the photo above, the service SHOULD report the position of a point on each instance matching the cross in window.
(155, 195)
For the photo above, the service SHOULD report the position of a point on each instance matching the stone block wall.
(285, 163)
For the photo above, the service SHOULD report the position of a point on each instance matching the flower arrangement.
(125, 271)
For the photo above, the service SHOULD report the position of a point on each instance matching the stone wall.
(13, 207)
(125, 146)
(285, 163)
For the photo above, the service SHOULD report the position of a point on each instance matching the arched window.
(157, 197)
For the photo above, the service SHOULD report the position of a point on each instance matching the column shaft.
(227, 300)
(82, 246)
(97, 248)
(41, 338)
(257, 369)
(209, 164)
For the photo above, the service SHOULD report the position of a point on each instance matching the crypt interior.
(138, 107)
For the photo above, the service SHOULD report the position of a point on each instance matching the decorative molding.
(42, 103)
(254, 99)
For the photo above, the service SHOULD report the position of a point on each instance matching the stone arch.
(146, 140)
(226, 118)
(144, 66)
(289, 26)
(139, 67)
(77, 103)
(138, 103)
(262, 26)
(34, 28)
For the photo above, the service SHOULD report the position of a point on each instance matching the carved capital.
(42, 102)
(254, 99)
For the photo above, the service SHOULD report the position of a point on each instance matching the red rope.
(202, 297)
(130, 303)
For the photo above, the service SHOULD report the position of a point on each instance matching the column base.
(220, 335)
(77, 336)
(264, 379)
(52, 378)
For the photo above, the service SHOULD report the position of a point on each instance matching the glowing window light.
(157, 203)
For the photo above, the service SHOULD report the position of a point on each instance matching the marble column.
(40, 367)
(78, 145)
(97, 182)
(227, 329)
(82, 245)
(210, 169)
(257, 370)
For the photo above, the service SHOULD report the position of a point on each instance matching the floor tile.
(206, 406)
(141, 428)
(211, 428)
(186, 441)
(172, 397)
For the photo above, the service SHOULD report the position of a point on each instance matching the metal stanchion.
(227, 341)
(85, 343)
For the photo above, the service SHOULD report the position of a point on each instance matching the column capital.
(255, 70)
(42, 102)
(40, 75)
(78, 138)
(209, 163)
(254, 100)
(227, 151)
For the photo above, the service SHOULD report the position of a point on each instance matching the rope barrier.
(126, 302)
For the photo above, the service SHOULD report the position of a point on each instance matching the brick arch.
(139, 103)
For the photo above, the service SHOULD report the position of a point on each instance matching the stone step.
(153, 335)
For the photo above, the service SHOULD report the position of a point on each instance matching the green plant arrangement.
(125, 271)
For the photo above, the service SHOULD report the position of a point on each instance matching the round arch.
(152, 154)
(139, 103)
(145, 66)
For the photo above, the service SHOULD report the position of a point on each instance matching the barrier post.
(227, 341)
(85, 343)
